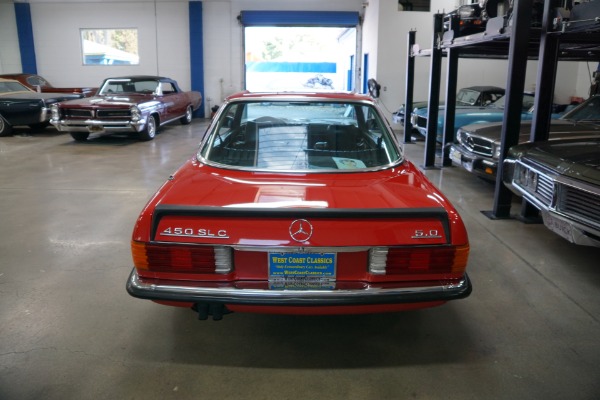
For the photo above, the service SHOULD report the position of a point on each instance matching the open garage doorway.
(300, 51)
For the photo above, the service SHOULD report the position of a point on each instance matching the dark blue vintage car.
(20, 105)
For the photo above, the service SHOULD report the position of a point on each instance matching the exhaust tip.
(216, 310)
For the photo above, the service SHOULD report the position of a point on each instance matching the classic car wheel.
(150, 130)
(80, 136)
(187, 118)
(5, 128)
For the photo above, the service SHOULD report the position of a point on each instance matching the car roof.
(10, 76)
(347, 96)
(140, 77)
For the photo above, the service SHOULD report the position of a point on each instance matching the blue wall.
(197, 53)
(25, 33)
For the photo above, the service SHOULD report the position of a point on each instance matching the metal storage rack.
(564, 35)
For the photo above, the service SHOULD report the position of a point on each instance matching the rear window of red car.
(300, 136)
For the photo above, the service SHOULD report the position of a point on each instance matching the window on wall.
(110, 46)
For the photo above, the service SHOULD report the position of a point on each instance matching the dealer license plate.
(302, 270)
(558, 226)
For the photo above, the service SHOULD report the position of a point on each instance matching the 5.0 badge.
(426, 234)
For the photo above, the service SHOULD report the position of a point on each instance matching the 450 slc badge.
(195, 233)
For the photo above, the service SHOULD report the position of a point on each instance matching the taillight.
(418, 260)
(192, 259)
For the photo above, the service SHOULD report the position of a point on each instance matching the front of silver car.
(477, 146)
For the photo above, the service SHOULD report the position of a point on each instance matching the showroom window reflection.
(110, 46)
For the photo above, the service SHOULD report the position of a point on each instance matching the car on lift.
(299, 203)
(137, 105)
(477, 146)
(21, 106)
(472, 96)
(562, 179)
(464, 115)
(40, 84)
(580, 17)
(473, 17)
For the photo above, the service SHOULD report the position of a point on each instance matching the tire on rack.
(5, 128)
(187, 118)
(80, 136)
(149, 131)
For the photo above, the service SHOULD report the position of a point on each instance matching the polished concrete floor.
(69, 330)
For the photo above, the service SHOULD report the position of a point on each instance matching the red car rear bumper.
(268, 294)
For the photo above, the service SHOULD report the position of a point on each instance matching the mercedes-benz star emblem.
(301, 230)
(470, 142)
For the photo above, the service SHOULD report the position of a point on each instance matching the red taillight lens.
(181, 258)
(419, 260)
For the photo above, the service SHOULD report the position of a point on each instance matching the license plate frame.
(557, 225)
(287, 266)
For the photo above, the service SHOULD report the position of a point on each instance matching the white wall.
(222, 51)
(10, 56)
(370, 37)
(163, 37)
(585, 77)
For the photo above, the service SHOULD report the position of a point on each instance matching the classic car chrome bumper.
(45, 114)
(98, 126)
(251, 293)
(421, 130)
(545, 197)
(570, 230)
(474, 163)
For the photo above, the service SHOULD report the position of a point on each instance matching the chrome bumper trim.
(473, 162)
(580, 234)
(98, 126)
(226, 293)
(45, 114)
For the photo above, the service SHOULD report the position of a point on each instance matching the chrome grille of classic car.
(535, 183)
(114, 113)
(77, 113)
(544, 189)
(476, 144)
(579, 204)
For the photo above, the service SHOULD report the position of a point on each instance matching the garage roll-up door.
(299, 18)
